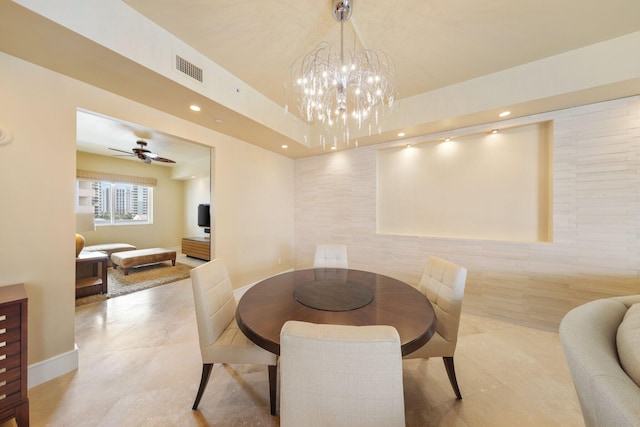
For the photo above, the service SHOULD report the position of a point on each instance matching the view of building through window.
(117, 203)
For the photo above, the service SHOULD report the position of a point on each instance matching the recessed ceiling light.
(504, 113)
(494, 131)
(333, 147)
(447, 139)
(401, 134)
(284, 146)
(408, 146)
(194, 107)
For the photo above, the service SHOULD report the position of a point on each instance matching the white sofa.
(608, 395)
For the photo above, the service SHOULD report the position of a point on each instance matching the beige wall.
(196, 191)
(37, 171)
(478, 186)
(168, 205)
(38, 176)
(253, 212)
(595, 251)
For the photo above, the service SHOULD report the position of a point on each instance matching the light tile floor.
(139, 365)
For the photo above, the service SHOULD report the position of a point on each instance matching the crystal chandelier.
(343, 90)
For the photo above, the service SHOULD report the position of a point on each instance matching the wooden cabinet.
(14, 402)
(197, 247)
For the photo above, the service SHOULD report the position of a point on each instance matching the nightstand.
(91, 273)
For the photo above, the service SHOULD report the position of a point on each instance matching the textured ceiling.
(434, 43)
(99, 135)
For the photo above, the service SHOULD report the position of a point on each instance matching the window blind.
(114, 177)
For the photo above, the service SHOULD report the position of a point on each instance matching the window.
(122, 204)
(115, 199)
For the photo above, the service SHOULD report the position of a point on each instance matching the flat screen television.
(204, 218)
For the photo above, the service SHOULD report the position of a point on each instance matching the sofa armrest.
(606, 393)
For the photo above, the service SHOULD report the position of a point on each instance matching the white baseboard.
(49, 369)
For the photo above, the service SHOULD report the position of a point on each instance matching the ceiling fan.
(146, 156)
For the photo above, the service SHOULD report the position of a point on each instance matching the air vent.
(188, 68)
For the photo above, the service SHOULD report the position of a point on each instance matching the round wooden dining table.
(335, 296)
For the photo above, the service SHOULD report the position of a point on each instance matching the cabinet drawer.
(8, 336)
(10, 356)
(9, 393)
(8, 375)
(10, 317)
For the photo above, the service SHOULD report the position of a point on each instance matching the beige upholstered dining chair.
(443, 284)
(331, 256)
(340, 375)
(220, 339)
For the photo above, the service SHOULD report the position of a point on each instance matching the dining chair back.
(443, 284)
(339, 275)
(340, 375)
(331, 256)
(221, 341)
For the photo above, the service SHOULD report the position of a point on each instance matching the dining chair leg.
(451, 372)
(204, 380)
(273, 383)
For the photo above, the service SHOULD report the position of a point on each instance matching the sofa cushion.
(628, 343)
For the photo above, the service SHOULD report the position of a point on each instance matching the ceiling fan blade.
(122, 151)
(145, 155)
(161, 159)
